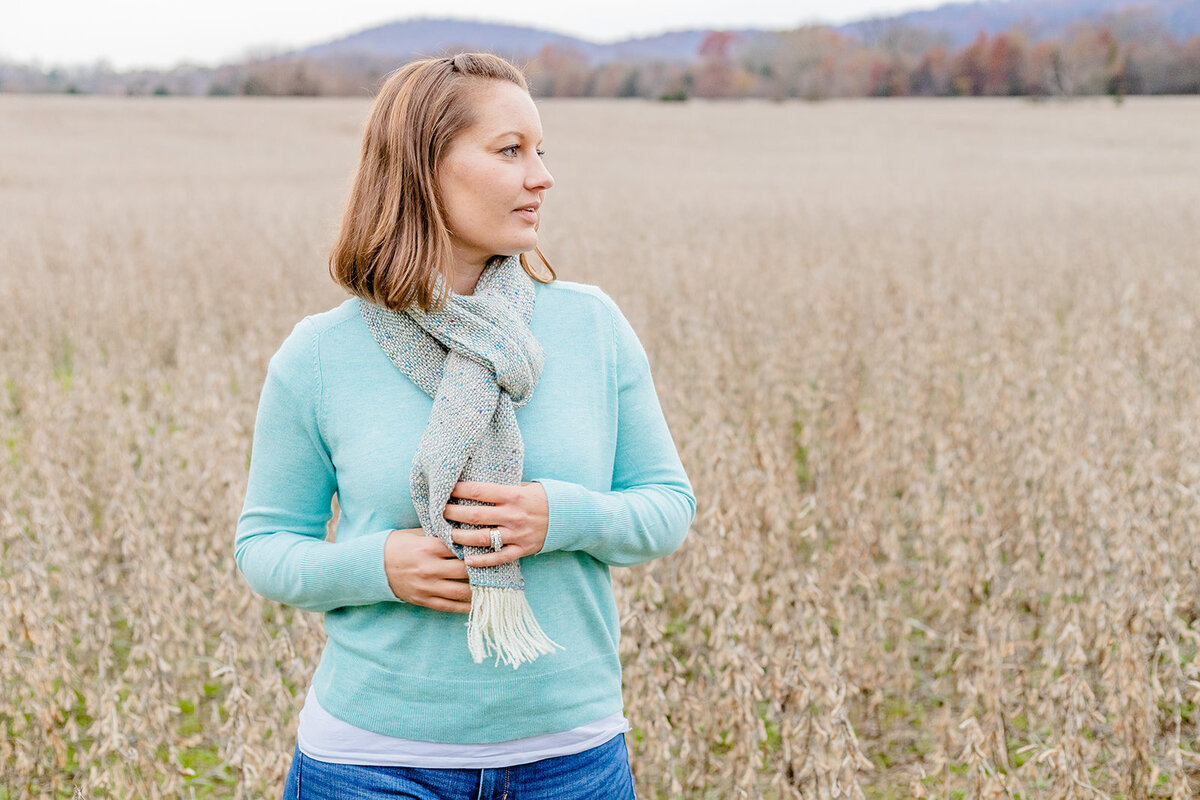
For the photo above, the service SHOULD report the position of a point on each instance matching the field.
(932, 366)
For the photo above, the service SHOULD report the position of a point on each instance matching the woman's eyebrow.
(507, 134)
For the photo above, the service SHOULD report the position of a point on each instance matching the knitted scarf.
(479, 362)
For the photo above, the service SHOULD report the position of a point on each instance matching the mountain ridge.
(431, 36)
(958, 23)
(961, 22)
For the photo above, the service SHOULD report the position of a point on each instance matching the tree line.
(1119, 56)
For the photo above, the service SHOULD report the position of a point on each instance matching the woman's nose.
(540, 177)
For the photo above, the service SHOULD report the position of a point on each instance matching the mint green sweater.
(336, 416)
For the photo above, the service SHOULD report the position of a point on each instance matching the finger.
(508, 516)
(448, 569)
(442, 604)
(475, 537)
(471, 515)
(439, 548)
(484, 492)
(436, 548)
(510, 552)
(458, 591)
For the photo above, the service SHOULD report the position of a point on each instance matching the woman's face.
(492, 179)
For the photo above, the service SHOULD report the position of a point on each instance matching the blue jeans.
(601, 773)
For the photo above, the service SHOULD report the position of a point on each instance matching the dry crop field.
(932, 366)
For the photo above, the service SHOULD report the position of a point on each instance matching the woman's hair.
(394, 242)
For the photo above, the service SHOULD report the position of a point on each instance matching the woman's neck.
(465, 275)
(464, 278)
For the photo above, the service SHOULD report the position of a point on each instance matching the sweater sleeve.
(651, 504)
(280, 545)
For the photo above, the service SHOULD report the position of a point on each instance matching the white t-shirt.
(324, 737)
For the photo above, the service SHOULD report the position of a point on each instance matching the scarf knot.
(490, 327)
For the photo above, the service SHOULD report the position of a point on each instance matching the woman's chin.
(516, 248)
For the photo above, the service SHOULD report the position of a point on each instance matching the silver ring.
(497, 542)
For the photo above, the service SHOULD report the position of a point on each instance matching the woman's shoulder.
(314, 326)
(324, 321)
(571, 298)
(301, 346)
(576, 311)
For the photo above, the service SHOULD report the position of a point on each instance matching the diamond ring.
(497, 542)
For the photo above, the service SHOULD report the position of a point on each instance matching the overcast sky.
(159, 33)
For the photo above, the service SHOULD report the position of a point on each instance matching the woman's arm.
(651, 504)
(280, 545)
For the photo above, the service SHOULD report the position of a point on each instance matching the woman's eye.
(511, 151)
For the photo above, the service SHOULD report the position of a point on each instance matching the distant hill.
(427, 37)
(955, 23)
(1038, 19)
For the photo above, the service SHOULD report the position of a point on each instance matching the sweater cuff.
(358, 567)
(571, 510)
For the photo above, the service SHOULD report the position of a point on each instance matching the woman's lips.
(527, 214)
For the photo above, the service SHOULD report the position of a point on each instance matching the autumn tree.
(1004, 66)
(969, 67)
(1086, 61)
(558, 71)
(803, 62)
(933, 74)
(713, 75)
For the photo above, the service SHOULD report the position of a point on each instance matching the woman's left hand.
(519, 513)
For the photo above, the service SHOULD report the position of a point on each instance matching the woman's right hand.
(422, 570)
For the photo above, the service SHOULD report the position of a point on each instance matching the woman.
(495, 443)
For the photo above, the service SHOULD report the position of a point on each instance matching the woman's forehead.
(503, 108)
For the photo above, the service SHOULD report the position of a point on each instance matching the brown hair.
(394, 242)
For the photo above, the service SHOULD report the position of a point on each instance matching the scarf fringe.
(501, 621)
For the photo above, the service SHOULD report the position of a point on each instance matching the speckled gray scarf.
(479, 362)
